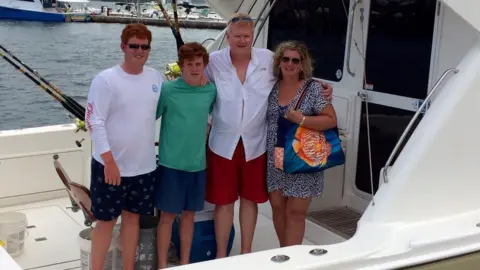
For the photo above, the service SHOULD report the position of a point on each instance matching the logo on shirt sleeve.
(88, 117)
(154, 88)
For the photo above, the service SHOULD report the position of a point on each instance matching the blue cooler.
(204, 245)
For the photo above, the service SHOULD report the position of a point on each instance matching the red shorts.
(228, 179)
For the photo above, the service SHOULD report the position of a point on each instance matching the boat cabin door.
(397, 78)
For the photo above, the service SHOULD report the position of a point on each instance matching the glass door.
(397, 70)
(321, 25)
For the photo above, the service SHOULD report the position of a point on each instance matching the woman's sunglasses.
(136, 46)
(286, 59)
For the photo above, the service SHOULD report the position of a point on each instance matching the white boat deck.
(53, 241)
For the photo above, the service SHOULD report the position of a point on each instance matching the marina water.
(68, 55)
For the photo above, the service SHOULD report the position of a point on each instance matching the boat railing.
(208, 39)
(410, 125)
(264, 20)
(350, 37)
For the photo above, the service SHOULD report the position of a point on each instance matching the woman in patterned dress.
(290, 194)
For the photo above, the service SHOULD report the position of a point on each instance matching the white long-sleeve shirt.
(120, 116)
(240, 109)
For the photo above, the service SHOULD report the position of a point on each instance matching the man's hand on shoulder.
(204, 80)
(327, 91)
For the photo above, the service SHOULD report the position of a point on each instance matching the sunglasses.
(238, 19)
(286, 59)
(136, 46)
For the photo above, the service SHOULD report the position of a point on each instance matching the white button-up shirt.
(240, 110)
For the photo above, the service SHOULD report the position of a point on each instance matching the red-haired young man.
(120, 117)
(184, 105)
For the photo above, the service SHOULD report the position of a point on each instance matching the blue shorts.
(134, 194)
(178, 191)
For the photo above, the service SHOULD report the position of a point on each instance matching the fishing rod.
(66, 103)
(175, 17)
(174, 28)
(172, 70)
(68, 99)
(165, 15)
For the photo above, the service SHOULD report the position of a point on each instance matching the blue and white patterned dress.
(305, 185)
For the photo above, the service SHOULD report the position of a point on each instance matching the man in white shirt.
(120, 117)
(237, 144)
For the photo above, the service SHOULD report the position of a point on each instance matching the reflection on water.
(69, 56)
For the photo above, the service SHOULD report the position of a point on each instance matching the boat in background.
(36, 10)
(31, 10)
(76, 10)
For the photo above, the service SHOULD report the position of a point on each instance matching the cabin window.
(399, 46)
(398, 56)
(321, 25)
(386, 126)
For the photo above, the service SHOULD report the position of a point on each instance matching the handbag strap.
(302, 95)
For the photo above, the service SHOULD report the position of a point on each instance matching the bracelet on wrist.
(303, 120)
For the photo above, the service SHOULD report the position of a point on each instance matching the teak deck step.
(340, 220)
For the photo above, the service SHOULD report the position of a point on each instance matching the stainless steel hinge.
(417, 104)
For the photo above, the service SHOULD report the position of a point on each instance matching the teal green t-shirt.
(184, 110)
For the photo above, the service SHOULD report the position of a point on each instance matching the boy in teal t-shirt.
(184, 106)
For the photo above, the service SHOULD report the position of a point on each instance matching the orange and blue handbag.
(302, 150)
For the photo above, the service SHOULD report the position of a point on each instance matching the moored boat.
(406, 80)
(31, 10)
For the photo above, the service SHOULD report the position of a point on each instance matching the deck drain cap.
(280, 258)
(318, 251)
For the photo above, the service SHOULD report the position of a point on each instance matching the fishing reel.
(80, 125)
(172, 71)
